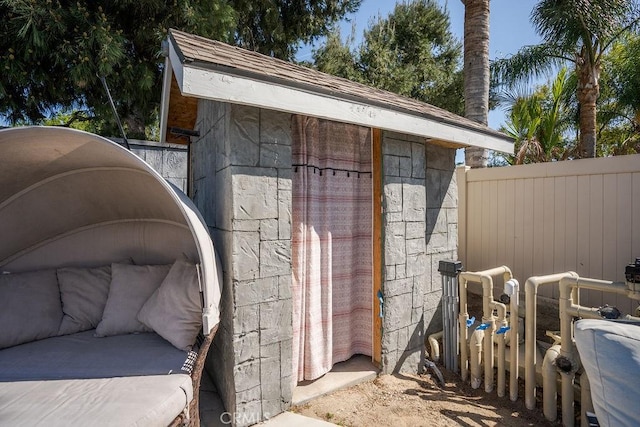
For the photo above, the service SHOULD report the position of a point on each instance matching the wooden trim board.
(226, 87)
(377, 242)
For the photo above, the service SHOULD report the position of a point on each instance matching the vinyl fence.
(581, 215)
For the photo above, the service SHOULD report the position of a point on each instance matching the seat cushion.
(610, 354)
(30, 307)
(130, 401)
(82, 356)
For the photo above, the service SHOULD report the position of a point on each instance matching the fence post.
(461, 180)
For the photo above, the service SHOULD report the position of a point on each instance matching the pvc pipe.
(476, 276)
(567, 285)
(488, 317)
(485, 278)
(435, 348)
(464, 354)
(475, 346)
(586, 404)
(501, 321)
(531, 293)
(550, 384)
(463, 317)
(501, 387)
(593, 313)
(568, 405)
(512, 288)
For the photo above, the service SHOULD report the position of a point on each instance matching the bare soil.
(417, 400)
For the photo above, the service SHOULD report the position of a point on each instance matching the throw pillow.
(174, 311)
(84, 293)
(131, 286)
(30, 307)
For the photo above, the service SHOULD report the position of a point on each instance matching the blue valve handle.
(471, 321)
(503, 329)
(482, 327)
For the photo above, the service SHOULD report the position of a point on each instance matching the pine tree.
(411, 52)
(53, 52)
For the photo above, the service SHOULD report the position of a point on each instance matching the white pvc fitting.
(435, 348)
(512, 288)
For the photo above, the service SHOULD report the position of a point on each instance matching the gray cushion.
(30, 307)
(610, 354)
(131, 286)
(82, 356)
(84, 293)
(130, 401)
(174, 311)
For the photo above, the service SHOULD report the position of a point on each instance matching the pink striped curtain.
(331, 245)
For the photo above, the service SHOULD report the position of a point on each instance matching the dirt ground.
(417, 400)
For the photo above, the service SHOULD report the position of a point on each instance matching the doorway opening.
(334, 249)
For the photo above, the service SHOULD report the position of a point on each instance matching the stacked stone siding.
(420, 228)
(242, 184)
(169, 160)
(442, 227)
(241, 172)
(404, 215)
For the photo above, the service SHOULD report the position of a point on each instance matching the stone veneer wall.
(420, 229)
(169, 160)
(242, 185)
(241, 167)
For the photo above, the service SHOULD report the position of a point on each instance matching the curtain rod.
(334, 170)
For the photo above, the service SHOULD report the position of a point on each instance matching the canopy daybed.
(107, 271)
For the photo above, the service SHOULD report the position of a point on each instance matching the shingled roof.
(200, 53)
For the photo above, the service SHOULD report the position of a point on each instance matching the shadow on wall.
(417, 340)
(436, 321)
(438, 182)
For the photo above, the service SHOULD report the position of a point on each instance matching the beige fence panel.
(581, 215)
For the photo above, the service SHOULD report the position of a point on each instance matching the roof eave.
(207, 82)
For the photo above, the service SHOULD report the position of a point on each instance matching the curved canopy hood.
(71, 198)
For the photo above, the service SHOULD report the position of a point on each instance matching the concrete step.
(289, 419)
(354, 371)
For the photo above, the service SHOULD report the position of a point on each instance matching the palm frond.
(507, 98)
(590, 24)
(529, 62)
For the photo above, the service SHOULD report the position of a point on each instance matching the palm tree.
(619, 105)
(578, 32)
(538, 121)
(476, 72)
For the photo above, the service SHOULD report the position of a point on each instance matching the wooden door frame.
(376, 175)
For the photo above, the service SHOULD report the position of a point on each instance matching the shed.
(330, 203)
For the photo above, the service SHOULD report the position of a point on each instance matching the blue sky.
(510, 29)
